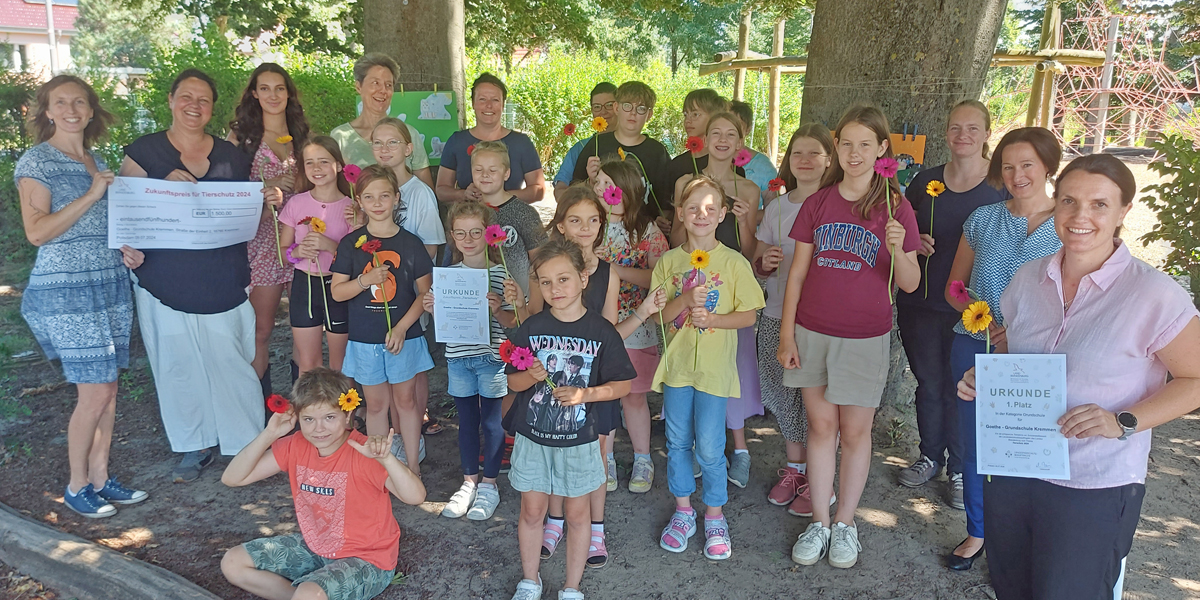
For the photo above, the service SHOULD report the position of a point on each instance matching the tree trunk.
(915, 60)
(426, 39)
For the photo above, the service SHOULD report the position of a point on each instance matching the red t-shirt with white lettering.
(845, 294)
(342, 506)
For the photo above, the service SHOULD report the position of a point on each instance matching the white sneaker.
(612, 474)
(570, 594)
(812, 545)
(529, 590)
(487, 497)
(844, 546)
(461, 501)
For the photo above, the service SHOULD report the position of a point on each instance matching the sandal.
(597, 552)
(431, 426)
(716, 539)
(679, 530)
(551, 535)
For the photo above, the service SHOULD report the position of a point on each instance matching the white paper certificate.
(154, 213)
(460, 306)
(1020, 399)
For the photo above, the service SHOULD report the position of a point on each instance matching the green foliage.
(304, 25)
(118, 33)
(16, 99)
(326, 84)
(548, 94)
(1174, 201)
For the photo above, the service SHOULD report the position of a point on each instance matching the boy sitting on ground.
(349, 540)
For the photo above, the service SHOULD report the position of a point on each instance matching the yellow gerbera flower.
(283, 139)
(977, 317)
(699, 259)
(599, 124)
(362, 239)
(621, 153)
(935, 188)
(317, 225)
(350, 400)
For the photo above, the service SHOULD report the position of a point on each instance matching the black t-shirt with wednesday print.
(407, 261)
(653, 156)
(584, 353)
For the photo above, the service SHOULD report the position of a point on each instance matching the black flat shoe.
(962, 563)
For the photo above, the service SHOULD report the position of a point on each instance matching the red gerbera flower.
(775, 185)
(470, 149)
(372, 246)
(506, 349)
(278, 404)
(569, 129)
(305, 221)
(694, 144)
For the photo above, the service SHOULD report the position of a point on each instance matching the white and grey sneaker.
(643, 475)
(812, 545)
(398, 450)
(844, 546)
(916, 474)
(528, 589)
(487, 497)
(956, 492)
(739, 469)
(461, 501)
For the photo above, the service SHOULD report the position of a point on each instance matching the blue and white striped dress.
(79, 301)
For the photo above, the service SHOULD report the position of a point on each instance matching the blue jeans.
(694, 418)
(962, 358)
(477, 414)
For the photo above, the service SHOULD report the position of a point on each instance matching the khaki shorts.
(853, 372)
(570, 472)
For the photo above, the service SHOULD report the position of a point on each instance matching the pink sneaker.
(802, 505)
(790, 483)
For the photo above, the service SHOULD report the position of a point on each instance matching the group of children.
(579, 311)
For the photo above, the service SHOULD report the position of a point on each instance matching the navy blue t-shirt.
(522, 157)
(201, 282)
(950, 211)
(406, 260)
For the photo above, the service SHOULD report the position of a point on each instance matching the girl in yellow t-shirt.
(713, 294)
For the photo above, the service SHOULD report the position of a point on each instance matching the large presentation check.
(1019, 400)
(154, 213)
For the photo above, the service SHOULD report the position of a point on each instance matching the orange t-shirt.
(342, 506)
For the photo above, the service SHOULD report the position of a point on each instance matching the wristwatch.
(1128, 423)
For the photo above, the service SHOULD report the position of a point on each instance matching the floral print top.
(618, 249)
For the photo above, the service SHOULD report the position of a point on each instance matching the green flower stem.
(932, 204)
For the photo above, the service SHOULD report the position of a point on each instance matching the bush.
(16, 99)
(1174, 202)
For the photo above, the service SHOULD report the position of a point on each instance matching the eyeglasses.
(596, 107)
(461, 234)
(391, 144)
(629, 106)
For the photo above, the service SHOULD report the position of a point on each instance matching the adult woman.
(268, 114)
(78, 302)
(454, 183)
(996, 240)
(942, 197)
(1123, 326)
(195, 318)
(375, 81)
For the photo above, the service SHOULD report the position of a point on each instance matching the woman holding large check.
(1123, 326)
(196, 320)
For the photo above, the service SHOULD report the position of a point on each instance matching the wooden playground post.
(1041, 96)
(773, 94)
(739, 76)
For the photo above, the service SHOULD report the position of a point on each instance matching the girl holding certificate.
(1123, 326)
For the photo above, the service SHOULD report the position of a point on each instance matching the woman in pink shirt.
(1123, 326)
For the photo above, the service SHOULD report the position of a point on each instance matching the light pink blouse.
(1123, 314)
(336, 227)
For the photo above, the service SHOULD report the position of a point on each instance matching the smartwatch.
(1128, 423)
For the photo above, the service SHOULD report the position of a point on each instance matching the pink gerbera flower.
(612, 195)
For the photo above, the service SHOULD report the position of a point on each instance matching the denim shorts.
(570, 472)
(341, 579)
(470, 375)
(372, 364)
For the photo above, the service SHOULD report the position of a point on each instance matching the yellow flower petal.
(283, 139)
(699, 259)
(350, 400)
(599, 124)
(362, 239)
(935, 188)
(977, 316)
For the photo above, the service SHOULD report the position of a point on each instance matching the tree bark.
(426, 39)
(915, 60)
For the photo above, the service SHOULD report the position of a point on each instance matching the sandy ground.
(904, 532)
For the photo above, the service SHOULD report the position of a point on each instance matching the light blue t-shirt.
(568, 164)
(1002, 244)
(760, 170)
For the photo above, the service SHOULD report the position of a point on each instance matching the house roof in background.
(23, 15)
